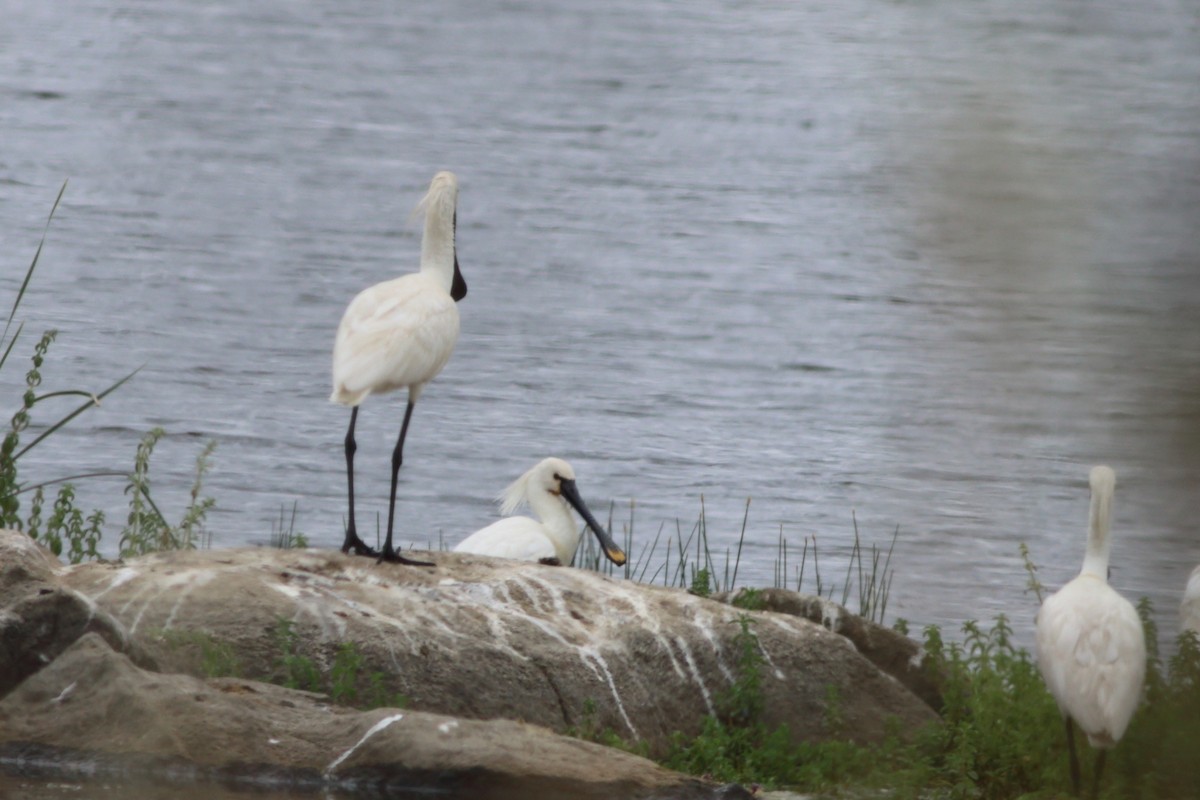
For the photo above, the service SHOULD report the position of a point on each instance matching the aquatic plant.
(66, 529)
(286, 537)
(345, 678)
(67, 522)
(1000, 735)
(687, 562)
(146, 529)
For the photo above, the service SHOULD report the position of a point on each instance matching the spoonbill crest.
(398, 335)
(553, 537)
(1090, 646)
(1189, 608)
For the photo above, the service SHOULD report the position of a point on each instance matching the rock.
(482, 638)
(493, 655)
(176, 727)
(890, 651)
(38, 617)
(23, 562)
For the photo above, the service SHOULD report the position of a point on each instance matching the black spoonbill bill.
(1090, 646)
(398, 335)
(553, 537)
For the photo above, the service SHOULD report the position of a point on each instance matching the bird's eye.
(557, 477)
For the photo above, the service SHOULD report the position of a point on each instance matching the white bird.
(398, 335)
(553, 538)
(1090, 647)
(1189, 607)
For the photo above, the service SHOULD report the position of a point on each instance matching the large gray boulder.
(93, 707)
(482, 638)
(39, 618)
(890, 651)
(111, 666)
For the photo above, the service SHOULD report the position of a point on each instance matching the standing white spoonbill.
(1189, 607)
(398, 335)
(1090, 646)
(553, 538)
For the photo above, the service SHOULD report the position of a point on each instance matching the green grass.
(1000, 736)
(687, 562)
(217, 659)
(345, 681)
(285, 536)
(65, 528)
(146, 529)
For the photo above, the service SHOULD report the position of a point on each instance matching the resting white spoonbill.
(398, 335)
(1090, 646)
(1189, 608)
(552, 538)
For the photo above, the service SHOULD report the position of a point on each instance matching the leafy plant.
(749, 599)
(688, 562)
(217, 659)
(146, 529)
(287, 537)
(589, 729)
(67, 521)
(299, 672)
(67, 529)
(735, 745)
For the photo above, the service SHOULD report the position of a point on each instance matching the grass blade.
(93, 400)
(33, 264)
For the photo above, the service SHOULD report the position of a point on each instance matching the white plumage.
(1189, 607)
(553, 537)
(1090, 647)
(395, 335)
(398, 335)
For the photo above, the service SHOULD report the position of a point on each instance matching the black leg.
(1074, 760)
(1099, 769)
(389, 553)
(352, 542)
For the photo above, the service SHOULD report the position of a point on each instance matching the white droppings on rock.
(285, 589)
(200, 577)
(651, 624)
(696, 677)
(762, 648)
(831, 615)
(123, 576)
(588, 654)
(65, 693)
(703, 623)
(376, 728)
(447, 727)
(550, 636)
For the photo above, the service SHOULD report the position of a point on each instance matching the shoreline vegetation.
(1000, 734)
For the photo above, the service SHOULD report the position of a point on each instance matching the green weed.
(146, 529)
(687, 562)
(345, 673)
(217, 659)
(1001, 735)
(299, 672)
(286, 537)
(589, 730)
(66, 530)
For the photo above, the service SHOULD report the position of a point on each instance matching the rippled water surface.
(919, 262)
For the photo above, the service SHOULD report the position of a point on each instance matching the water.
(920, 262)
